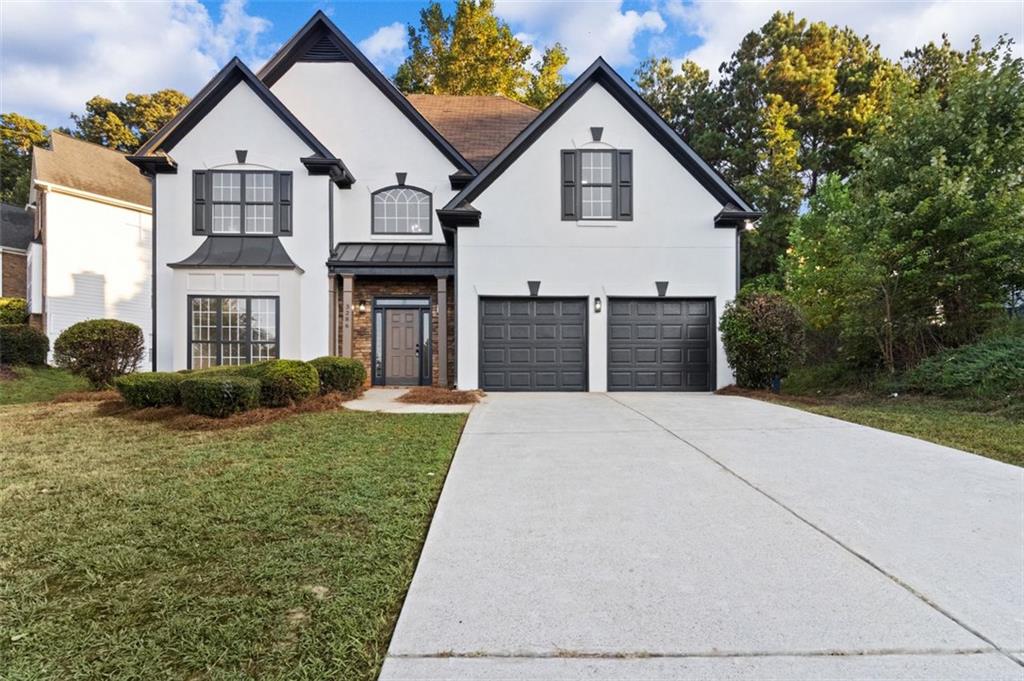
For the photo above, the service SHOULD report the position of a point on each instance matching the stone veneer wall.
(369, 288)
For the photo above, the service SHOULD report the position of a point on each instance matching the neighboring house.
(312, 209)
(15, 238)
(93, 226)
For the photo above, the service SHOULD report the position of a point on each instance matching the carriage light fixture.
(362, 306)
(597, 304)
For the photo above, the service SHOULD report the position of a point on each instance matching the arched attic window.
(401, 209)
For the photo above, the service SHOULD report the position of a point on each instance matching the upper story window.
(401, 210)
(237, 202)
(597, 184)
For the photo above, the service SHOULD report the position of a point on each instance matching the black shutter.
(624, 185)
(570, 185)
(283, 203)
(202, 208)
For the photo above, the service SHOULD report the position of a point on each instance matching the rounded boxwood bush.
(158, 389)
(341, 374)
(763, 335)
(283, 381)
(219, 394)
(13, 311)
(100, 349)
(22, 344)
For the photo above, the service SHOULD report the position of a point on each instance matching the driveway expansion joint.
(896, 580)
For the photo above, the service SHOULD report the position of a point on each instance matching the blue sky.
(56, 54)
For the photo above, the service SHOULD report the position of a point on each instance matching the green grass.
(130, 550)
(38, 384)
(961, 424)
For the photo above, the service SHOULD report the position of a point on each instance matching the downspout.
(152, 238)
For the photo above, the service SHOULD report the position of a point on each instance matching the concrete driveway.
(631, 536)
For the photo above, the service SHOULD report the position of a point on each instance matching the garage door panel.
(659, 344)
(542, 345)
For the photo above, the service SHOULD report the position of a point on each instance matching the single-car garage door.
(533, 343)
(660, 344)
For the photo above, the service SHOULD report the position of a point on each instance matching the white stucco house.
(312, 209)
(91, 255)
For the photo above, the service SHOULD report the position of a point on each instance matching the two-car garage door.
(541, 344)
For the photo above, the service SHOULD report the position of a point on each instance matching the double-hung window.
(597, 184)
(239, 203)
(232, 330)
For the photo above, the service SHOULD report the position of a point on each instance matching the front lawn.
(961, 424)
(132, 550)
(22, 384)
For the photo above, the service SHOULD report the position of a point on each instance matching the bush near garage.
(13, 310)
(339, 374)
(100, 349)
(22, 344)
(763, 334)
(157, 389)
(219, 394)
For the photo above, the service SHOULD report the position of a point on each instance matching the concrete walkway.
(693, 536)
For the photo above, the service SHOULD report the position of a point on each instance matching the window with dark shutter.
(597, 184)
(242, 202)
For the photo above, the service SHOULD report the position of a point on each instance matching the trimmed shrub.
(992, 368)
(218, 394)
(282, 381)
(22, 344)
(158, 389)
(100, 349)
(341, 374)
(13, 311)
(763, 335)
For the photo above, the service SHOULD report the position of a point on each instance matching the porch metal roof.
(393, 258)
(239, 251)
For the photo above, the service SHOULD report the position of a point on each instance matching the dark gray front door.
(402, 356)
(533, 344)
(660, 344)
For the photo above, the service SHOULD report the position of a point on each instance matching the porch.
(393, 311)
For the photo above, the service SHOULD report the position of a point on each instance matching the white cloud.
(59, 54)
(895, 26)
(586, 29)
(386, 47)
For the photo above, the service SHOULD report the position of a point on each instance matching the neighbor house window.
(401, 210)
(232, 330)
(597, 184)
(238, 202)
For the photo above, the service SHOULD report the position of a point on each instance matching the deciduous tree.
(18, 134)
(127, 124)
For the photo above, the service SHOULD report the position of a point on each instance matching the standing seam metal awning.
(392, 258)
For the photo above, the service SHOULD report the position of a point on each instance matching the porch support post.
(332, 315)
(442, 331)
(346, 314)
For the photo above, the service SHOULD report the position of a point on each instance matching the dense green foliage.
(763, 336)
(788, 108)
(341, 374)
(152, 389)
(127, 124)
(992, 368)
(13, 311)
(282, 381)
(100, 349)
(473, 52)
(219, 394)
(23, 344)
(917, 249)
(18, 134)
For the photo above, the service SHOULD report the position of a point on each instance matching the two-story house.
(312, 209)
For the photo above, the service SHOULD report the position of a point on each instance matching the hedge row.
(22, 344)
(222, 391)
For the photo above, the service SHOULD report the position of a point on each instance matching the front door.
(402, 357)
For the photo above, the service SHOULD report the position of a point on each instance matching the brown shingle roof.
(89, 167)
(479, 126)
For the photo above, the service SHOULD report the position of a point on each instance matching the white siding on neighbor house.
(358, 123)
(34, 278)
(243, 121)
(522, 237)
(97, 265)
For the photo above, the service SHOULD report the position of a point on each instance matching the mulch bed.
(431, 395)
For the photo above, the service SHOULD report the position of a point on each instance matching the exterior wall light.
(748, 226)
(597, 304)
(362, 306)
